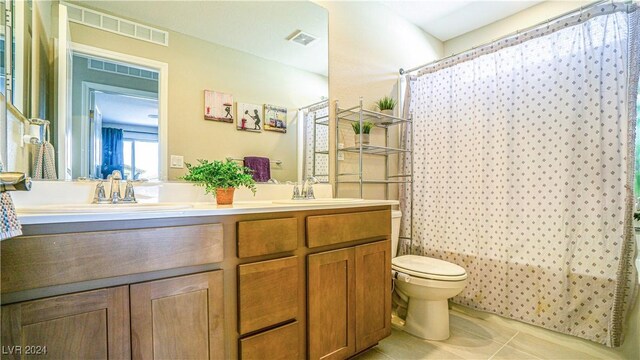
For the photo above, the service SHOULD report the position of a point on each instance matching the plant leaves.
(220, 175)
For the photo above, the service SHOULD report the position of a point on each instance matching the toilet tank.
(396, 215)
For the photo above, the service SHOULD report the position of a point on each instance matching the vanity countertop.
(49, 214)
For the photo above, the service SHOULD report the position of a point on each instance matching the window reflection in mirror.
(114, 119)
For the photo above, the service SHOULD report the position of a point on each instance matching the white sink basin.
(327, 201)
(100, 208)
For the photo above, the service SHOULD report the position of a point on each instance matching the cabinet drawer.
(333, 229)
(263, 237)
(30, 262)
(277, 344)
(267, 293)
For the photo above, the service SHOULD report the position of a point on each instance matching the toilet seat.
(428, 268)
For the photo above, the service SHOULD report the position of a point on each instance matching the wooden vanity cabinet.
(87, 325)
(323, 230)
(269, 290)
(178, 318)
(349, 300)
(373, 293)
(266, 237)
(331, 304)
(175, 318)
(43, 260)
(306, 284)
(280, 343)
(267, 294)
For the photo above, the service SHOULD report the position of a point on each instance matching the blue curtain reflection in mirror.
(112, 151)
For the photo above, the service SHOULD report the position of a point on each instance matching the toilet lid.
(428, 268)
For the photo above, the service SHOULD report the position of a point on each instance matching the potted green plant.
(386, 105)
(366, 129)
(220, 178)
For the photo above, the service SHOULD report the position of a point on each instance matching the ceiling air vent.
(117, 68)
(114, 24)
(302, 38)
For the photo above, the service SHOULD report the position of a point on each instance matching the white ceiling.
(448, 19)
(124, 109)
(260, 28)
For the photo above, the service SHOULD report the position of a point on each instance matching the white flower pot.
(365, 139)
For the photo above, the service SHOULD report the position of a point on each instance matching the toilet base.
(428, 319)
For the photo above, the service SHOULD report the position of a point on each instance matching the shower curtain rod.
(314, 104)
(582, 8)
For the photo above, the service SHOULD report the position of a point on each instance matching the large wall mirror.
(142, 87)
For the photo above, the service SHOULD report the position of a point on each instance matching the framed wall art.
(275, 118)
(249, 117)
(218, 106)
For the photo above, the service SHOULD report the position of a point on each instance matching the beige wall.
(196, 65)
(368, 43)
(529, 17)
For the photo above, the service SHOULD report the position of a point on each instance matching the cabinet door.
(178, 318)
(373, 293)
(331, 304)
(87, 325)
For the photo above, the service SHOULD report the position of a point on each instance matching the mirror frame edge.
(4, 125)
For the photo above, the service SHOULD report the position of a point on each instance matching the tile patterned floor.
(471, 338)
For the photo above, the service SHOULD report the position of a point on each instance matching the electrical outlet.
(177, 161)
(340, 156)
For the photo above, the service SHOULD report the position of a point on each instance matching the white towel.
(9, 224)
(44, 163)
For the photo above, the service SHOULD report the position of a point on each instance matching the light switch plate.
(340, 156)
(177, 161)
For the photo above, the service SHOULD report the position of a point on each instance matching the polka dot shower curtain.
(523, 171)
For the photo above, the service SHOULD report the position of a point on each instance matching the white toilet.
(427, 283)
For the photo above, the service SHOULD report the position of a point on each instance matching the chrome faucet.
(99, 197)
(307, 188)
(129, 194)
(114, 195)
(306, 193)
(296, 192)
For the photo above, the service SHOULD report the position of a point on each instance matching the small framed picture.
(218, 106)
(275, 118)
(249, 117)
